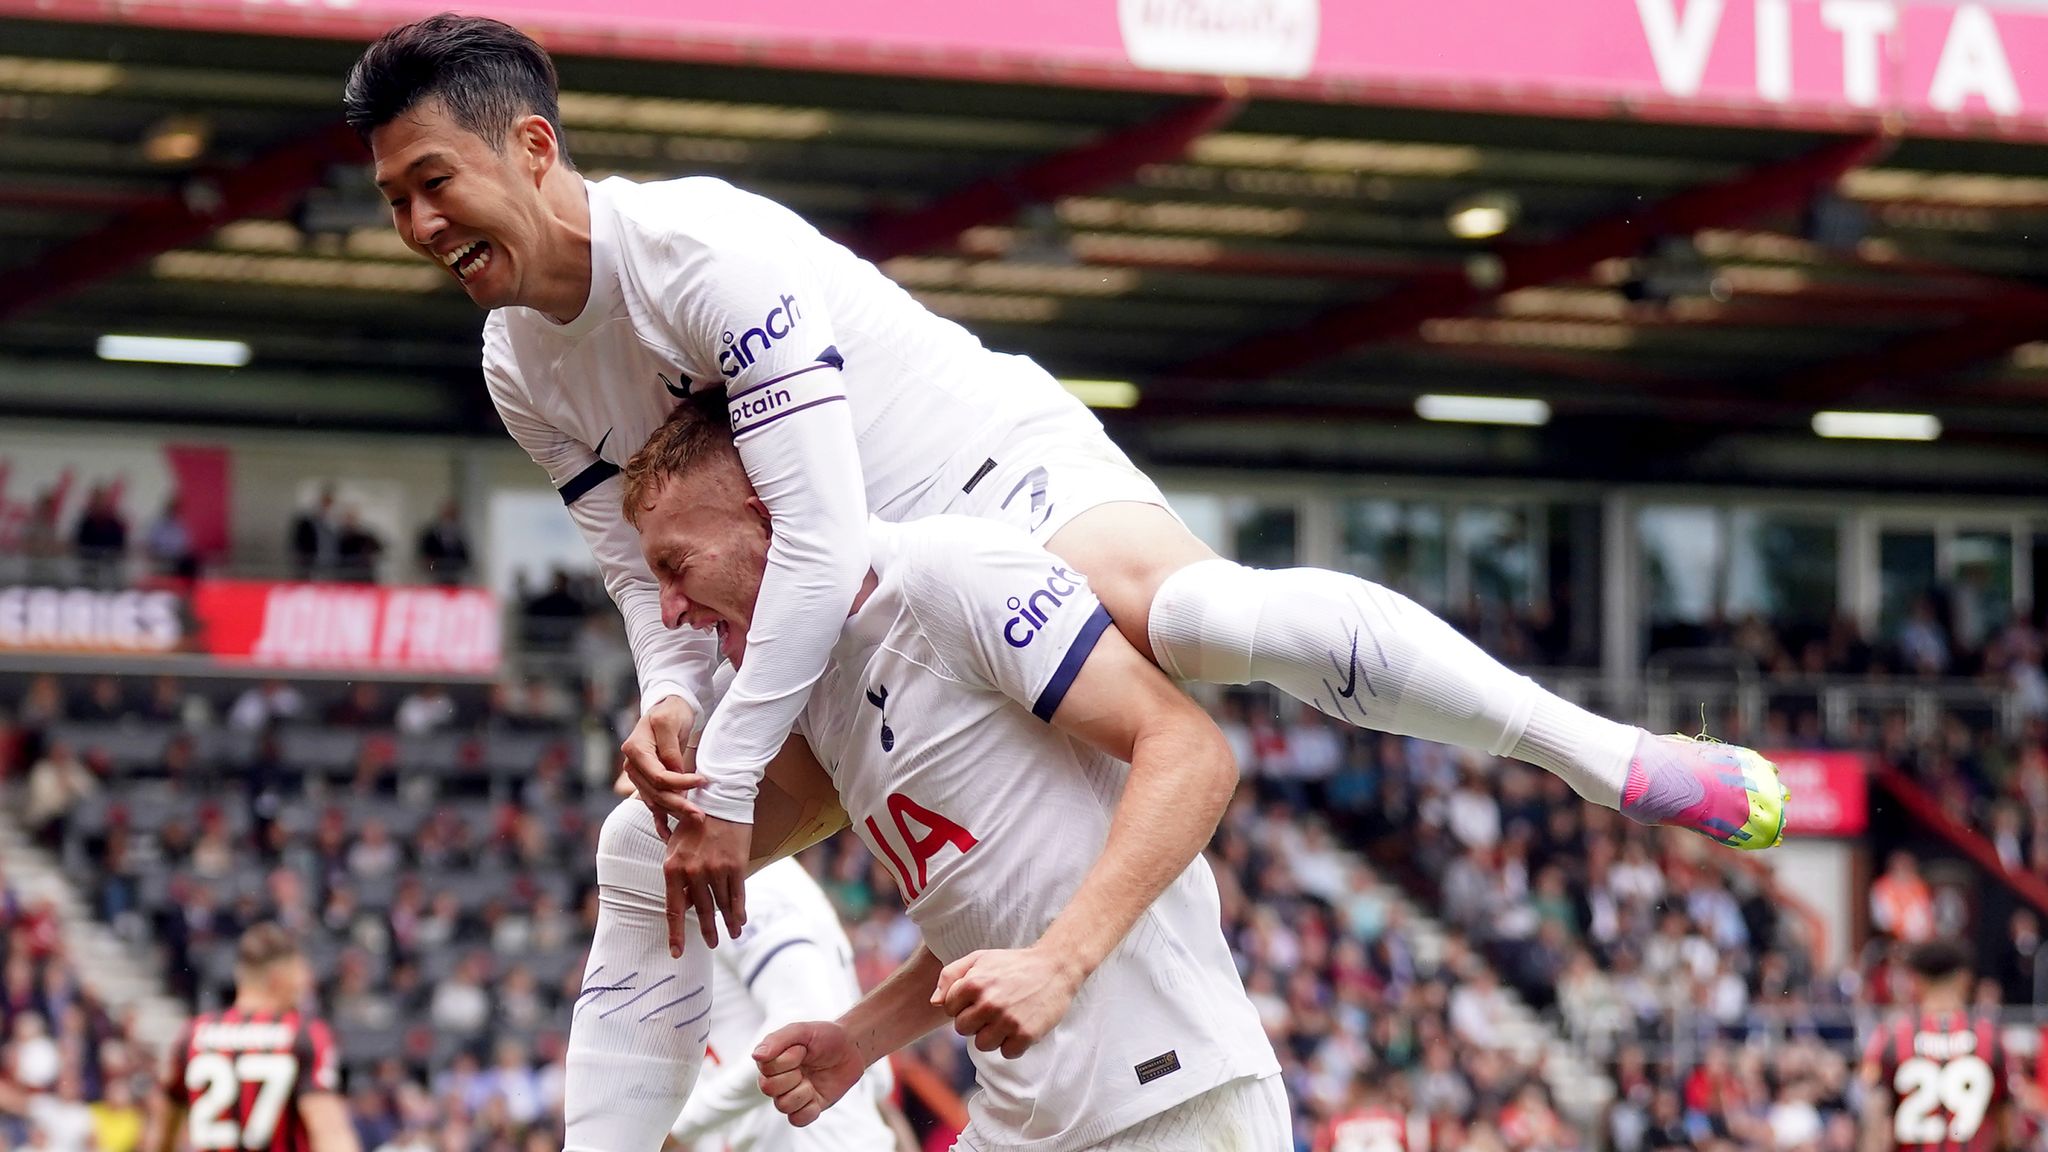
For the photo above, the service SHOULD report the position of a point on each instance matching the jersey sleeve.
(668, 662)
(756, 310)
(319, 1059)
(1003, 611)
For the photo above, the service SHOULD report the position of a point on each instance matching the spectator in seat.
(443, 550)
(101, 540)
(43, 704)
(461, 1005)
(316, 539)
(426, 711)
(1923, 642)
(271, 702)
(168, 544)
(103, 703)
(358, 550)
(552, 618)
(116, 1119)
(361, 707)
(1901, 903)
(57, 785)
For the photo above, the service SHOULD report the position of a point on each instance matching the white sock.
(636, 1038)
(1369, 655)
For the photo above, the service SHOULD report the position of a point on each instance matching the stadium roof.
(1245, 258)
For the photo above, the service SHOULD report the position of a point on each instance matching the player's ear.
(760, 510)
(535, 139)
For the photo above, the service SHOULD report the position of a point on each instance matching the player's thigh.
(1084, 500)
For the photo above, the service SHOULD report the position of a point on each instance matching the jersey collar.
(604, 267)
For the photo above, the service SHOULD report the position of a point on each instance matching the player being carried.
(261, 1076)
(613, 301)
(1939, 1078)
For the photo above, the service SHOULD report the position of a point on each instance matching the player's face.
(706, 541)
(474, 210)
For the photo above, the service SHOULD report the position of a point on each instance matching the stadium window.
(1783, 567)
(1497, 545)
(1263, 533)
(1684, 550)
(1398, 543)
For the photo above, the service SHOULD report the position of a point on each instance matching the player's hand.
(661, 768)
(1007, 998)
(806, 1068)
(705, 869)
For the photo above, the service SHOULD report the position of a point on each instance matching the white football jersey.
(847, 399)
(791, 963)
(931, 718)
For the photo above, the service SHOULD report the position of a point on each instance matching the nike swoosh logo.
(608, 435)
(1350, 687)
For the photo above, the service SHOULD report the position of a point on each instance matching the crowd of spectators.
(1669, 965)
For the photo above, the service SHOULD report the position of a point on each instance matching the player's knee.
(629, 850)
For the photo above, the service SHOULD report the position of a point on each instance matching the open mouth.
(725, 643)
(469, 259)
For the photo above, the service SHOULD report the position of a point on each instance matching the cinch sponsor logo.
(1032, 610)
(739, 355)
(747, 408)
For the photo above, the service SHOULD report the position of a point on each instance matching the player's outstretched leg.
(636, 1035)
(1371, 656)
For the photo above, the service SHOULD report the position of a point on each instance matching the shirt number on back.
(1962, 1087)
(218, 1079)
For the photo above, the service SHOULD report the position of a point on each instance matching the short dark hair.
(262, 945)
(697, 431)
(1940, 958)
(487, 73)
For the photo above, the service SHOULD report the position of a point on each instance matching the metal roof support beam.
(1404, 310)
(266, 185)
(1097, 164)
(1917, 358)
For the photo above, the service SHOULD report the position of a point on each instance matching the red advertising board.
(1941, 64)
(1830, 791)
(348, 626)
(368, 629)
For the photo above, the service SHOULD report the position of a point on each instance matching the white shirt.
(791, 963)
(846, 396)
(930, 719)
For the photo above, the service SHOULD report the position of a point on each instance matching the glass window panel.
(1905, 572)
(1396, 543)
(1982, 576)
(1263, 533)
(1205, 515)
(1500, 557)
(1682, 549)
(1783, 568)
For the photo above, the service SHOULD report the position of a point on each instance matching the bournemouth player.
(613, 301)
(261, 1076)
(1937, 1079)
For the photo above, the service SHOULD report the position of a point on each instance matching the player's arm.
(673, 666)
(796, 807)
(806, 1068)
(790, 977)
(756, 304)
(1181, 779)
(327, 1122)
(1876, 1123)
(166, 1120)
(168, 1104)
(322, 1107)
